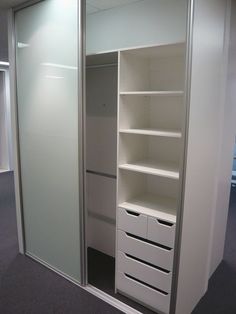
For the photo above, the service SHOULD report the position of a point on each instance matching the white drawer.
(142, 293)
(132, 222)
(151, 253)
(161, 232)
(151, 275)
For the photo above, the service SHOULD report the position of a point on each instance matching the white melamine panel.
(101, 144)
(152, 93)
(142, 293)
(159, 114)
(154, 132)
(156, 153)
(148, 204)
(202, 151)
(101, 195)
(147, 194)
(153, 69)
(101, 108)
(144, 272)
(166, 170)
(132, 222)
(226, 150)
(161, 232)
(101, 236)
(151, 253)
(143, 23)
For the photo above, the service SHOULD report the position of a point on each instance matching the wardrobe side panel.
(226, 153)
(202, 150)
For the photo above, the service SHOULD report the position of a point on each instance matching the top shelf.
(152, 93)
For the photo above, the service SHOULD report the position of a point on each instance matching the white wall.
(225, 153)
(202, 152)
(137, 24)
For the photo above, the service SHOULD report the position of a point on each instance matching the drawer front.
(132, 222)
(161, 232)
(151, 275)
(142, 293)
(148, 252)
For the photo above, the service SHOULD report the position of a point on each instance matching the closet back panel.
(101, 131)
(101, 104)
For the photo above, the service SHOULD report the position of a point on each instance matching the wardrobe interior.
(134, 148)
(148, 132)
(101, 164)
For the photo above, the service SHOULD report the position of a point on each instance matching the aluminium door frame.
(4, 69)
(82, 160)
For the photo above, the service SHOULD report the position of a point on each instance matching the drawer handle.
(145, 284)
(149, 241)
(147, 263)
(132, 213)
(165, 223)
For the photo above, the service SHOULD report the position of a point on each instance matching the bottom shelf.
(4, 170)
(152, 205)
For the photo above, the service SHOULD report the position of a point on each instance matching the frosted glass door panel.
(46, 40)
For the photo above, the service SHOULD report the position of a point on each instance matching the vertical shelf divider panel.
(150, 111)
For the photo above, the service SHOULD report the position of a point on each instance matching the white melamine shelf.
(156, 206)
(154, 132)
(4, 170)
(154, 168)
(152, 93)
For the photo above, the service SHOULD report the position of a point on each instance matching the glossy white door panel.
(48, 109)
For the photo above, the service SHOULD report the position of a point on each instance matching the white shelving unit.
(150, 109)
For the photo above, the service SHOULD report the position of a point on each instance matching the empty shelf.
(154, 168)
(154, 132)
(153, 93)
(160, 207)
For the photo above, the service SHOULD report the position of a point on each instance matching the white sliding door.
(49, 129)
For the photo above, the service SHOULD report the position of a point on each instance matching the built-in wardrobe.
(117, 141)
(134, 100)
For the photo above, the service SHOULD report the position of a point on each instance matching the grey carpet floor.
(27, 287)
(221, 295)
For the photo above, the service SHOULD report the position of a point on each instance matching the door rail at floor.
(112, 301)
(91, 289)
